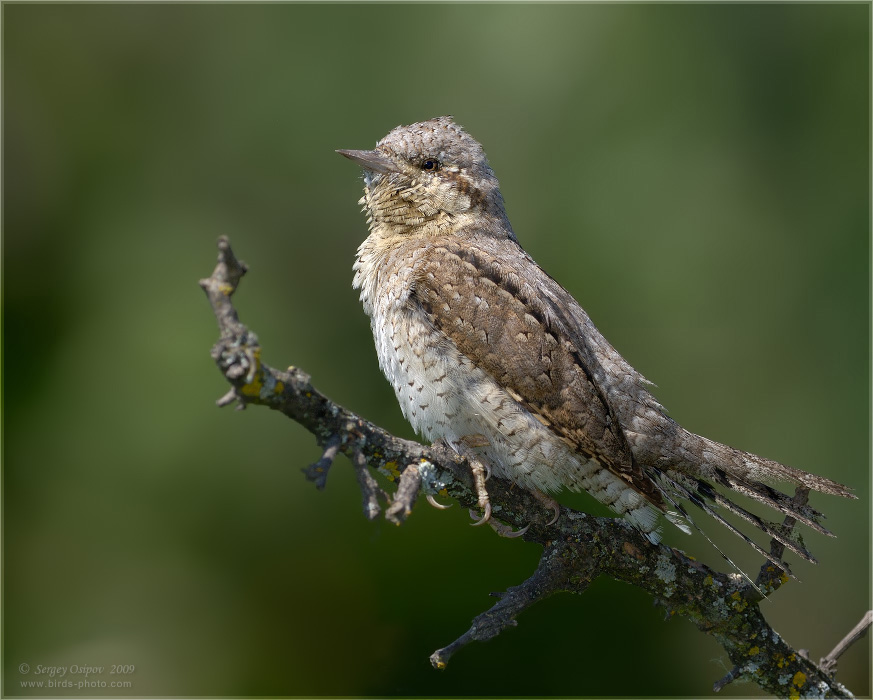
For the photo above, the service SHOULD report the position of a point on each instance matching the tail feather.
(703, 465)
(774, 530)
(763, 493)
(712, 457)
(798, 476)
(668, 487)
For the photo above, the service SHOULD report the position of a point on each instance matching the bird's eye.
(431, 164)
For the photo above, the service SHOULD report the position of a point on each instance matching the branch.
(829, 663)
(577, 549)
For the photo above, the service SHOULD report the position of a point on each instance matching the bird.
(488, 353)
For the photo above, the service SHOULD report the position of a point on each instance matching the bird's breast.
(445, 394)
(423, 367)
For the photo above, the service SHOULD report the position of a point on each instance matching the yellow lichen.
(392, 468)
(739, 604)
(797, 683)
(253, 388)
(753, 651)
(799, 679)
(279, 388)
(782, 662)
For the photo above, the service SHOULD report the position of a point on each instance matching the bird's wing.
(494, 310)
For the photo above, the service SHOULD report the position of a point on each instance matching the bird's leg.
(481, 473)
(484, 502)
(466, 448)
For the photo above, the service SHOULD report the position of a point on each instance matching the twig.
(728, 678)
(405, 496)
(317, 472)
(771, 577)
(370, 488)
(221, 285)
(227, 399)
(545, 581)
(829, 663)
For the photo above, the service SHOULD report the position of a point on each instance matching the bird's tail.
(707, 469)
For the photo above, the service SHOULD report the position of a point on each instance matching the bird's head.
(429, 178)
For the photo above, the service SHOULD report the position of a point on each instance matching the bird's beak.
(371, 160)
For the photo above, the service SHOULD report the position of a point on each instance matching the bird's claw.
(484, 519)
(516, 533)
(556, 516)
(499, 528)
(435, 504)
(549, 503)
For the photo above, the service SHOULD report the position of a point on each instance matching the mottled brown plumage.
(488, 352)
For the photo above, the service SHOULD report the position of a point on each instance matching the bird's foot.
(479, 478)
(481, 473)
(505, 530)
(548, 503)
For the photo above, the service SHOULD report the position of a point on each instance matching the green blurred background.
(696, 175)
